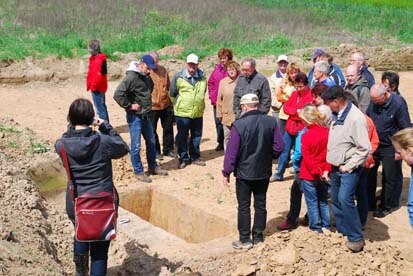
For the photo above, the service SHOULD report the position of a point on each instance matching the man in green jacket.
(187, 92)
(134, 94)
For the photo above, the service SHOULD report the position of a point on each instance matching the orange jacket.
(374, 141)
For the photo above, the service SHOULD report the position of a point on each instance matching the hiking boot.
(381, 213)
(171, 154)
(220, 147)
(143, 177)
(285, 225)
(157, 171)
(241, 245)
(182, 164)
(199, 162)
(355, 246)
(81, 264)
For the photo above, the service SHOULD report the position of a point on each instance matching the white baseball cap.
(192, 58)
(249, 99)
(282, 57)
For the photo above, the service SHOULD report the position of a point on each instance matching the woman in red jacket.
(97, 81)
(314, 168)
(300, 97)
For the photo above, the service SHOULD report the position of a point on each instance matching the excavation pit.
(174, 216)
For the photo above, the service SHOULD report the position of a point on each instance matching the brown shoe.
(157, 171)
(356, 246)
(143, 177)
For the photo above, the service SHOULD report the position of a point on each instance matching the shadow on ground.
(138, 262)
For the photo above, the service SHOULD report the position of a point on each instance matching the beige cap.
(249, 99)
(192, 58)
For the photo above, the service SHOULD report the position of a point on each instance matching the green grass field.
(63, 27)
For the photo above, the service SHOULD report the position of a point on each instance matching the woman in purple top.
(220, 72)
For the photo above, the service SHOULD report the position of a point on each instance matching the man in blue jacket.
(390, 114)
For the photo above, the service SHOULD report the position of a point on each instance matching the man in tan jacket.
(162, 109)
(347, 150)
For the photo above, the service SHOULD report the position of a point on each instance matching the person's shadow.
(271, 227)
(138, 262)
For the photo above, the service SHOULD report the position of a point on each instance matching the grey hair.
(250, 60)
(322, 66)
(359, 56)
(380, 89)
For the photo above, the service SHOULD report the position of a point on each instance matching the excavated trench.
(174, 216)
(162, 210)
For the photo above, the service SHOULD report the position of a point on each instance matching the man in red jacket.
(97, 81)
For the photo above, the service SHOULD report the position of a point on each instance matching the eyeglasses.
(299, 86)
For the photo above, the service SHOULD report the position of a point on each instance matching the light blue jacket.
(297, 156)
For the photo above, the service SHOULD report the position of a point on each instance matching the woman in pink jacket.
(220, 72)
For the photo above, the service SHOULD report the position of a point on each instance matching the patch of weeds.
(4, 128)
(38, 147)
(12, 145)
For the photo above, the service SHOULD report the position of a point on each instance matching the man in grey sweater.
(252, 82)
(347, 150)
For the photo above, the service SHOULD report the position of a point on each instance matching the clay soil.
(39, 228)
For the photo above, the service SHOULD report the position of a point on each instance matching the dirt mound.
(54, 69)
(34, 235)
(303, 252)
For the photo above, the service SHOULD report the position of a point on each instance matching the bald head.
(352, 74)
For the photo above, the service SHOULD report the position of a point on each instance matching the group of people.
(336, 129)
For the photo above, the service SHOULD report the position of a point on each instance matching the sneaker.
(381, 213)
(285, 225)
(276, 178)
(241, 245)
(143, 177)
(157, 171)
(198, 162)
(182, 164)
(220, 147)
(159, 157)
(356, 246)
(171, 154)
(257, 242)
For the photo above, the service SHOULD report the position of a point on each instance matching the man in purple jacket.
(254, 140)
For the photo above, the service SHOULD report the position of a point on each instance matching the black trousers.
(296, 195)
(244, 189)
(392, 179)
(166, 117)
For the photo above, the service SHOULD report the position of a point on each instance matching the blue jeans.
(289, 141)
(362, 196)
(315, 194)
(184, 126)
(100, 105)
(98, 255)
(343, 189)
(141, 124)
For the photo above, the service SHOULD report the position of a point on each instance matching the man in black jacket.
(254, 140)
(134, 94)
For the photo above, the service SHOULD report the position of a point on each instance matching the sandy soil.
(42, 107)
